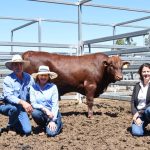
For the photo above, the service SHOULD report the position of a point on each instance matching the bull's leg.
(90, 107)
(90, 91)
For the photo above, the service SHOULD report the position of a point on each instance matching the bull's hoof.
(90, 115)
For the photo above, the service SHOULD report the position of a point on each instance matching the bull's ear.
(105, 63)
(125, 64)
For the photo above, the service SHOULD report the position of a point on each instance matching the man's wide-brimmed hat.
(16, 59)
(45, 70)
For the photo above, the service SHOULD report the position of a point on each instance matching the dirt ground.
(109, 130)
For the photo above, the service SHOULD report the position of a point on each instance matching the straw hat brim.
(8, 64)
(52, 75)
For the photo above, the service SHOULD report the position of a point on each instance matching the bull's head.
(114, 66)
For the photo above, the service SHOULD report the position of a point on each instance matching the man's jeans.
(42, 119)
(18, 118)
(139, 130)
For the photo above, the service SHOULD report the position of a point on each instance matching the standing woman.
(140, 102)
(45, 102)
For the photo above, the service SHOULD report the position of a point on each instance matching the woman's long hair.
(141, 68)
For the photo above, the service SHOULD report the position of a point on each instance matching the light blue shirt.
(15, 89)
(46, 97)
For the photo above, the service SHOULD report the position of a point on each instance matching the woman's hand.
(135, 116)
(52, 126)
(48, 113)
(136, 119)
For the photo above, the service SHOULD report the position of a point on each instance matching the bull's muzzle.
(119, 77)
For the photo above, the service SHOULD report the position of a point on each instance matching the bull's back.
(61, 63)
(72, 70)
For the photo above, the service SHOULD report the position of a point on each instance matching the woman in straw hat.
(16, 96)
(44, 99)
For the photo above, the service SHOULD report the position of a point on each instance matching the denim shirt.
(15, 89)
(45, 98)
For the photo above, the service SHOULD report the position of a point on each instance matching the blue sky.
(67, 33)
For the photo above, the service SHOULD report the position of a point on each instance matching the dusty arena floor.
(109, 130)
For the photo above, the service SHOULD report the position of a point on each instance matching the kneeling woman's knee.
(137, 132)
(51, 133)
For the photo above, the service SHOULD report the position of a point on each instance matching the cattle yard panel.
(127, 52)
(116, 37)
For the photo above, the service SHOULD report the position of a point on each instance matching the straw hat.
(16, 58)
(45, 70)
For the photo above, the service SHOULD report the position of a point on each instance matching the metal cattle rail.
(3, 70)
(136, 55)
(120, 90)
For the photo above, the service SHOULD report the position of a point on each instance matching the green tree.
(120, 42)
(126, 41)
